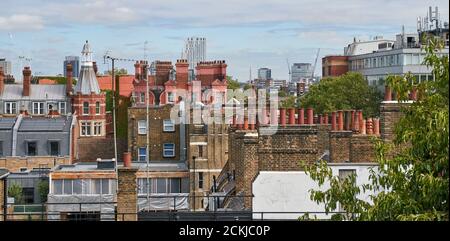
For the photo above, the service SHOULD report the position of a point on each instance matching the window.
(407, 59)
(142, 99)
(200, 151)
(169, 150)
(62, 108)
(142, 185)
(142, 127)
(170, 97)
(142, 153)
(1, 148)
(54, 148)
(97, 108)
(38, 108)
(97, 128)
(31, 148)
(161, 185)
(67, 187)
(175, 185)
(168, 125)
(345, 173)
(105, 186)
(83, 186)
(415, 59)
(10, 107)
(28, 195)
(200, 180)
(77, 186)
(85, 128)
(57, 187)
(85, 108)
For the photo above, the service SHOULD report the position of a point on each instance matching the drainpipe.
(14, 137)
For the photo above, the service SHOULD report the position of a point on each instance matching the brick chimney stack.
(144, 69)
(2, 80)
(182, 73)
(69, 79)
(310, 116)
(137, 70)
(26, 80)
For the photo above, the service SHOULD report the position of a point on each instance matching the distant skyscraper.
(264, 73)
(75, 61)
(6, 65)
(301, 71)
(194, 51)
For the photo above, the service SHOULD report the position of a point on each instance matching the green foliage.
(288, 102)
(43, 189)
(349, 91)
(232, 83)
(117, 72)
(122, 104)
(15, 191)
(413, 181)
(59, 79)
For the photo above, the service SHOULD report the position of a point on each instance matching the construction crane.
(315, 63)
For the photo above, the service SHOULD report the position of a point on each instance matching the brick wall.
(13, 164)
(89, 149)
(390, 113)
(362, 149)
(157, 136)
(127, 194)
(340, 146)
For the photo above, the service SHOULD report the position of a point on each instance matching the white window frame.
(62, 106)
(40, 107)
(10, 106)
(97, 126)
(168, 125)
(99, 108)
(82, 105)
(139, 153)
(87, 187)
(142, 130)
(86, 124)
(167, 149)
(170, 97)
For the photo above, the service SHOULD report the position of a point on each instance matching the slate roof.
(7, 123)
(37, 92)
(87, 82)
(35, 124)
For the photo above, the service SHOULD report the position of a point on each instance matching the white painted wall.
(288, 191)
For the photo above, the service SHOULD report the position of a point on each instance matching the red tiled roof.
(125, 84)
(47, 82)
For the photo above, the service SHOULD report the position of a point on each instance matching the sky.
(246, 34)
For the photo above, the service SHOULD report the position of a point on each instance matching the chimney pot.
(340, 120)
(127, 159)
(333, 121)
(291, 116)
(387, 93)
(301, 116)
(310, 116)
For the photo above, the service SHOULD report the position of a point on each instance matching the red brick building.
(88, 102)
(334, 65)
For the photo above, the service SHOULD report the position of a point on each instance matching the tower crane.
(289, 69)
(315, 63)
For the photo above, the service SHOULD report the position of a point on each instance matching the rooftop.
(37, 92)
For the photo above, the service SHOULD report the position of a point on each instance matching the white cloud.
(21, 22)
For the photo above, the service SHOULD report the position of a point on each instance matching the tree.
(15, 191)
(232, 84)
(117, 71)
(43, 189)
(349, 91)
(412, 182)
